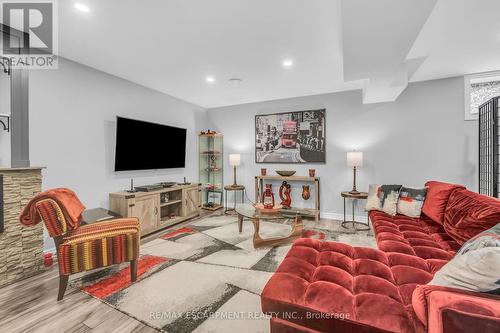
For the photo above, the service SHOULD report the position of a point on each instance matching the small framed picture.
(214, 197)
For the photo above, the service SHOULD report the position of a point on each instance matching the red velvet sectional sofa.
(334, 287)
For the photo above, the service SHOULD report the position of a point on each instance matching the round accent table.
(235, 189)
(354, 197)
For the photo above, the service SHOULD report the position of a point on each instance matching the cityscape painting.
(291, 137)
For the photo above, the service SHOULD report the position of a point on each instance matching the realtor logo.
(37, 20)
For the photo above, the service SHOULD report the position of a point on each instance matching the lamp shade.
(354, 158)
(234, 159)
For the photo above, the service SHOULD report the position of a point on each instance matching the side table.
(354, 197)
(235, 189)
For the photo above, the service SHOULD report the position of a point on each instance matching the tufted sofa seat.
(324, 286)
(421, 237)
(363, 285)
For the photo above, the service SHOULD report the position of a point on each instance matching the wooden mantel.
(4, 169)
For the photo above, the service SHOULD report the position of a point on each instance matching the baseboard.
(340, 216)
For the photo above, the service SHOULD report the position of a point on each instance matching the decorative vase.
(306, 194)
(268, 197)
(312, 172)
(285, 194)
(47, 259)
(263, 171)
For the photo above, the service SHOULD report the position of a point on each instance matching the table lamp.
(354, 159)
(234, 161)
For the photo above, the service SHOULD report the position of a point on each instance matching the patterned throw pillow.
(390, 194)
(383, 198)
(411, 201)
(375, 198)
(475, 266)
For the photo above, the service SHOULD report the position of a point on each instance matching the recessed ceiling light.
(287, 63)
(235, 81)
(210, 79)
(81, 7)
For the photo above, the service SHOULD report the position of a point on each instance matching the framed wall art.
(291, 137)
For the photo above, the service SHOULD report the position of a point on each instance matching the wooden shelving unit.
(171, 202)
(153, 209)
(259, 186)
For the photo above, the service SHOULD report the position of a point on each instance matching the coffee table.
(249, 212)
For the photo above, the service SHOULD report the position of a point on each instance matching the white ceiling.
(377, 36)
(378, 45)
(460, 37)
(172, 45)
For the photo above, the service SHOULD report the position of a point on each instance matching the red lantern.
(268, 197)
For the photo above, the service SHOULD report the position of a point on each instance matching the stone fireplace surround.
(21, 248)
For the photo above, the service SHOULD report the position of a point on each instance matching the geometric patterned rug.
(205, 276)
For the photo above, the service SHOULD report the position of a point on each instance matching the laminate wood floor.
(30, 305)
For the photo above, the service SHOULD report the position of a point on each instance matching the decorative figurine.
(306, 194)
(263, 171)
(213, 164)
(208, 132)
(312, 173)
(268, 197)
(285, 194)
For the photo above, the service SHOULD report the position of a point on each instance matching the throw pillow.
(488, 238)
(411, 201)
(475, 266)
(390, 196)
(438, 194)
(468, 214)
(375, 199)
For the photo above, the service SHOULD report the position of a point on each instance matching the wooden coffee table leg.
(240, 223)
(296, 232)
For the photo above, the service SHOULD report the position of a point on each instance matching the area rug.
(205, 276)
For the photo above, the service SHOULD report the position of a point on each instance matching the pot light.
(235, 81)
(81, 7)
(287, 63)
(210, 79)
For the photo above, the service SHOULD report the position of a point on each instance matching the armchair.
(82, 248)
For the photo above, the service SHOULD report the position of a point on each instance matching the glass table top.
(249, 211)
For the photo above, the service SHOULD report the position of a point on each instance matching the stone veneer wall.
(21, 248)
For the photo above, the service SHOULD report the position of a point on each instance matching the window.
(479, 88)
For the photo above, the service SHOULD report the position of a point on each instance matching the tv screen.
(141, 145)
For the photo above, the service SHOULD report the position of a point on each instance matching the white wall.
(419, 137)
(4, 109)
(72, 130)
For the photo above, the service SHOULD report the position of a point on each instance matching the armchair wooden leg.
(63, 283)
(133, 270)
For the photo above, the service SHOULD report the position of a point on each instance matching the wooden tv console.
(153, 210)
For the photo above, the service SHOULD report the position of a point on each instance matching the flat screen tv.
(141, 145)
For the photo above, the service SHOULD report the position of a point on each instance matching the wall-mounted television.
(141, 145)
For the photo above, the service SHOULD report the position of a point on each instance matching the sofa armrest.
(450, 310)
